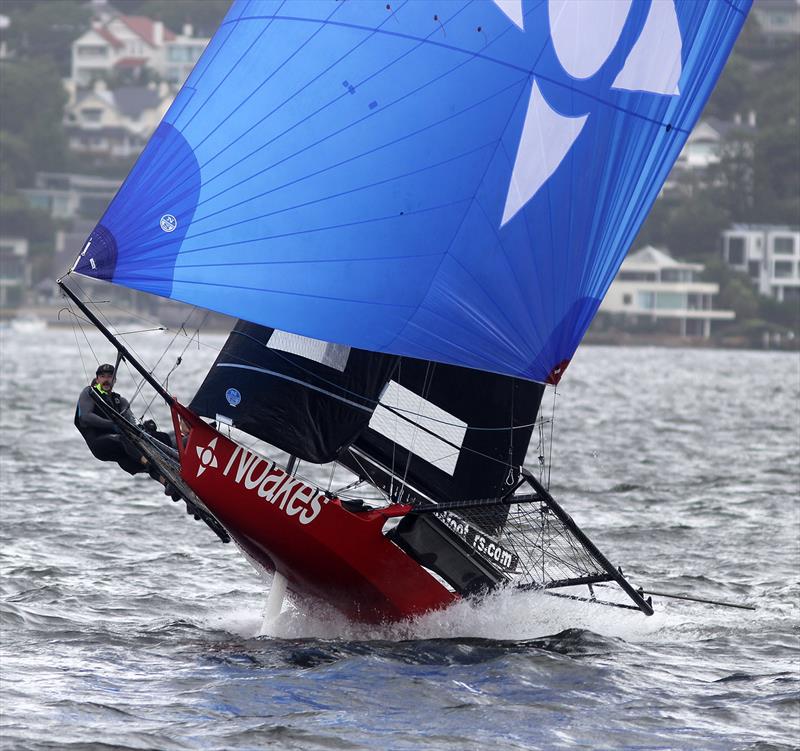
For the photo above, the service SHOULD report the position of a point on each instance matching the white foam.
(503, 615)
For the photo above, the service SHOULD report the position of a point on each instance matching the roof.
(726, 127)
(780, 6)
(743, 227)
(651, 257)
(140, 25)
(144, 27)
(108, 36)
(131, 101)
(104, 95)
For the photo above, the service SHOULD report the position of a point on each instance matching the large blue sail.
(452, 180)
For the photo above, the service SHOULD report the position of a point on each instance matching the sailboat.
(414, 210)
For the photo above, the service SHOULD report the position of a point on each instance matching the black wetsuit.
(100, 433)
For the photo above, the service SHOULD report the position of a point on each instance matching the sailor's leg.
(111, 448)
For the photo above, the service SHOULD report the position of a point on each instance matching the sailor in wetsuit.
(100, 433)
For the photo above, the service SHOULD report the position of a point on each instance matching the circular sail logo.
(233, 397)
(168, 223)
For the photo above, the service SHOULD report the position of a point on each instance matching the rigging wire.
(552, 422)
(101, 315)
(330, 479)
(75, 325)
(178, 331)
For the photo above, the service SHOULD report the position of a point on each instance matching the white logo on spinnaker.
(206, 456)
(168, 223)
(584, 34)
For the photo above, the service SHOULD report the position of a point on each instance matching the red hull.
(322, 549)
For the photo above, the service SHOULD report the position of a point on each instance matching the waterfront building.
(67, 196)
(114, 123)
(127, 45)
(769, 254)
(654, 289)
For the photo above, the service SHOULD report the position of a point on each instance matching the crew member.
(100, 433)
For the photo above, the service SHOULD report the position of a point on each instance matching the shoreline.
(32, 318)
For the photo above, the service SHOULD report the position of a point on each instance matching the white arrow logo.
(584, 33)
(206, 456)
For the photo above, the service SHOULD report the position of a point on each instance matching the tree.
(46, 29)
(785, 313)
(731, 181)
(735, 86)
(736, 291)
(689, 227)
(32, 101)
(16, 164)
(777, 175)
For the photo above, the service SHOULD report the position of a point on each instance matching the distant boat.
(27, 324)
(414, 210)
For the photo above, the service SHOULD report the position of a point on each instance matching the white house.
(181, 54)
(114, 123)
(769, 255)
(708, 138)
(123, 41)
(651, 285)
(134, 42)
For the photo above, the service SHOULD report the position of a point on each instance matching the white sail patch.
(546, 139)
(325, 353)
(585, 32)
(441, 449)
(513, 9)
(654, 63)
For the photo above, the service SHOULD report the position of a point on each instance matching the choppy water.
(126, 625)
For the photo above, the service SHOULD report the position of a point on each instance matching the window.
(783, 246)
(636, 276)
(783, 269)
(92, 50)
(670, 300)
(736, 251)
(647, 300)
(92, 115)
(180, 54)
(627, 299)
(676, 275)
(754, 269)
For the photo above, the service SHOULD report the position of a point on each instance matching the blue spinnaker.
(454, 180)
